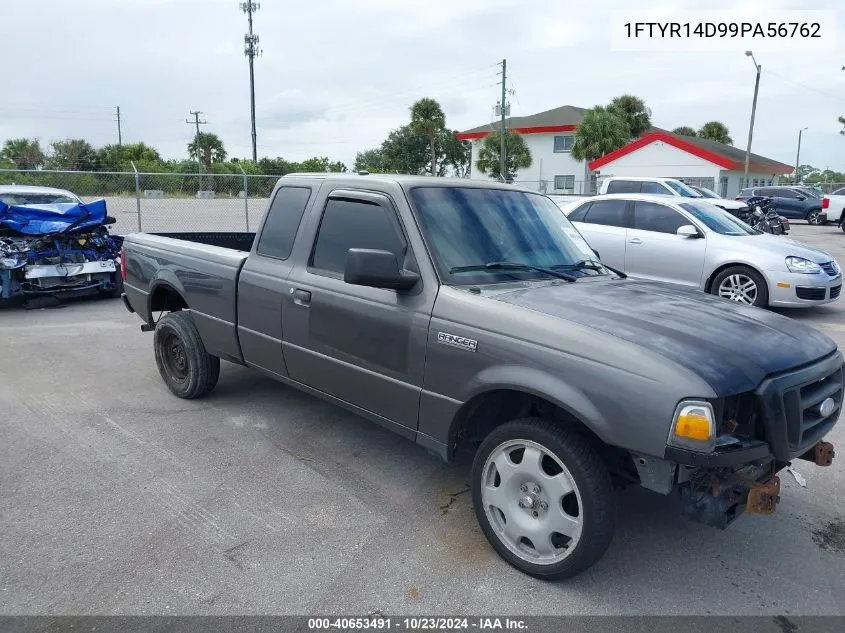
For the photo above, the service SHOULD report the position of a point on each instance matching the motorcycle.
(761, 216)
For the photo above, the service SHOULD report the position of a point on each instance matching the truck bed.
(232, 240)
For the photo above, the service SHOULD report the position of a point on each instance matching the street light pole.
(798, 154)
(753, 112)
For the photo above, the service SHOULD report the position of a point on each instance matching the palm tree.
(427, 118)
(517, 155)
(716, 131)
(685, 130)
(23, 152)
(600, 132)
(208, 148)
(634, 111)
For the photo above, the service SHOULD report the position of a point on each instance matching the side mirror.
(377, 269)
(688, 230)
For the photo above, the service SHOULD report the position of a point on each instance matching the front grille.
(830, 268)
(834, 292)
(789, 406)
(803, 418)
(812, 294)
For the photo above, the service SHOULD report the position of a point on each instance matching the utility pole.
(502, 150)
(251, 50)
(753, 112)
(798, 154)
(196, 122)
(119, 136)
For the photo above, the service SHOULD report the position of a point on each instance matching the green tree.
(600, 132)
(371, 160)
(685, 130)
(25, 153)
(275, 166)
(428, 120)
(517, 155)
(317, 164)
(716, 131)
(634, 112)
(405, 151)
(208, 148)
(456, 153)
(73, 153)
(120, 157)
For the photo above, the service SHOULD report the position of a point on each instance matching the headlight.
(694, 427)
(13, 260)
(801, 265)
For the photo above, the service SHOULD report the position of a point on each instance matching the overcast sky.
(337, 75)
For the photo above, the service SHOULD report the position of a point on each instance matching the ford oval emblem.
(827, 407)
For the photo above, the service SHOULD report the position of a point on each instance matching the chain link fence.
(163, 202)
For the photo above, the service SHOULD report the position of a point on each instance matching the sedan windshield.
(717, 220)
(480, 235)
(707, 193)
(20, 199)
(683, 190)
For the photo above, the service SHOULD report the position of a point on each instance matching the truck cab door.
(362, 345)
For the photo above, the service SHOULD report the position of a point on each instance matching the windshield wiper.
(513, 266)
(591, 264)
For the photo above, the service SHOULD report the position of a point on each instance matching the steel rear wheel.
(187, 369)
(741, 284)
(543, 498)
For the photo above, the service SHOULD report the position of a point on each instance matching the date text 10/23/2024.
(384, 623)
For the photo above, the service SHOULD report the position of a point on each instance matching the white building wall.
(545, 165)
(661, 160)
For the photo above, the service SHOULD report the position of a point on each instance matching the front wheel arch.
(708, 285)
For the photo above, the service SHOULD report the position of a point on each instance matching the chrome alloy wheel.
(532, 502)
(740, 288)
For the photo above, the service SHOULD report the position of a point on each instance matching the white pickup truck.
(834, 205)
(663, 187)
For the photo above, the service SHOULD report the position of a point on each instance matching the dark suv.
(790, 202)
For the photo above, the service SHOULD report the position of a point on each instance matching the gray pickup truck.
(472, 316)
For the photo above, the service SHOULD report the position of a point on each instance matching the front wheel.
(187, 369)
(742, 285)
(814, 217)
(543, 498)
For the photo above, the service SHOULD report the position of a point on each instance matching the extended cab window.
(655, 187)
(349, 224)
(282, 223)
(623, 186)
(650, 216)
(606, 212)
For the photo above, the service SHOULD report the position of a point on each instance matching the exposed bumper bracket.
(821, 454)
(763, 497)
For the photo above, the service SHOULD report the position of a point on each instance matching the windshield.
(22, 198)
(682, 190)
(717, 220)
(468, 228)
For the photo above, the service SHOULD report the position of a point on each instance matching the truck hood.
(732, 347)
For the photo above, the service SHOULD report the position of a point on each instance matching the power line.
(798, 83)
(251, 50)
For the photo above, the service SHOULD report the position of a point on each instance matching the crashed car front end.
(56, 248)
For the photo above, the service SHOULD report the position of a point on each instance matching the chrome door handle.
(635, 240)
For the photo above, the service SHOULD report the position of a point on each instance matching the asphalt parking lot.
(118, 498)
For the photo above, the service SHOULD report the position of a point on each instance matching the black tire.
(117, 290)
(186, 368)
(814, 217)
(598, 504)
(762, 298)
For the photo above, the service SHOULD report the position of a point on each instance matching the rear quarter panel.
(204, 276)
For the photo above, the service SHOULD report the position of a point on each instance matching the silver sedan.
(694, 243)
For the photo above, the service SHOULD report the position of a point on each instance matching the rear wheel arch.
(165, 298)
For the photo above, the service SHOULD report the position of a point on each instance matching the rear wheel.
(543, 498)
(742, 285)
(187, 369)
(814, 217)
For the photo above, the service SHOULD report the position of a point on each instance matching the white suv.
(663, 187)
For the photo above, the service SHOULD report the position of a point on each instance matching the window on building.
(564, 143)
(353, 224)
(282, 222)
(723, 186)
(565, 183)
